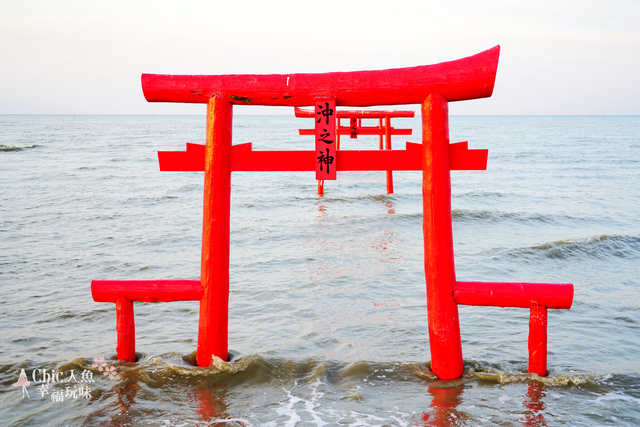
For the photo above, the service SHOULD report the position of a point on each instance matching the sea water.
(328, 321)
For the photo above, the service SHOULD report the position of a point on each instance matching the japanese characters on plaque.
(325, 120)
(353, 127)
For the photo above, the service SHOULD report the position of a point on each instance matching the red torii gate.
(432, 86)
(384, 129)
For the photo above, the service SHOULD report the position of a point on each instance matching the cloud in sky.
(557, 57)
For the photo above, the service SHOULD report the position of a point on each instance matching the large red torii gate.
(432, 86)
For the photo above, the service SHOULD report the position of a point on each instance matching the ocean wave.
(603, 246)
(482, 194)
(10, 147)
(356, 199)
(499, 216)
(172, 368)
(286, 391)
(561, 380)
(484, 372)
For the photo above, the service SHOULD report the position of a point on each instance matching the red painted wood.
(125, 330)
(244, 159)
(363, 130)
(376, 160)
(525, 295)
(197, 148)
(326, 153)
(124, 292)
(355, 128)
(538, 340)
(387, 135)
(214, 305)
(146, 290)
(467, 78)
(433, 86)
(463, 145)
(444, 326)
(180, 161)
(469, 160)
(349, 160)
(190, 160)
(361, 114)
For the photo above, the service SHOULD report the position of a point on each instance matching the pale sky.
(86, 57)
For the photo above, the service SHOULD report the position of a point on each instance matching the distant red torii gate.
(384, 130)
(432, 86)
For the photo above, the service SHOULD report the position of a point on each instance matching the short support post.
(387, 134)
(214, 305)
(444, 326)
(538, 340)
(125, 329)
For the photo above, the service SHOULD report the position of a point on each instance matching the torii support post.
(125, 330)
(214, 305)
(444, 326)
(387, 135)
(538, 340)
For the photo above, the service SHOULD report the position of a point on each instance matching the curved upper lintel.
(462, 79)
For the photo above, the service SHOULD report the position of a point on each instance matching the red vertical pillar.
(126, 330)
(444, 326)
(214, 305)
(538, 340)
(387, 134)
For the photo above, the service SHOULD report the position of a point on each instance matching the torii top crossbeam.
(472, 77)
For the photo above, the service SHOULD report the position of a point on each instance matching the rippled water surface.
(328, 322)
